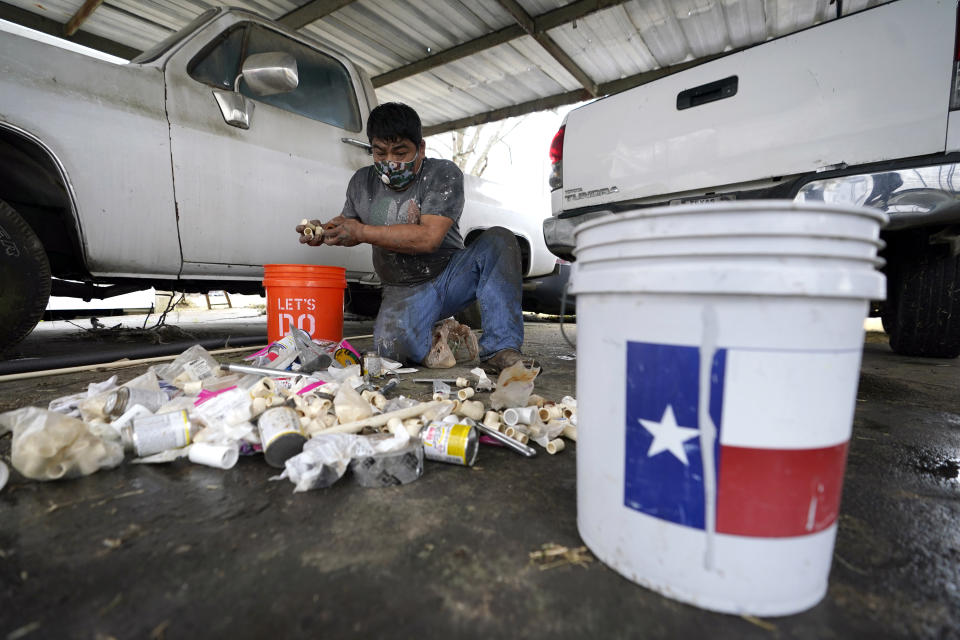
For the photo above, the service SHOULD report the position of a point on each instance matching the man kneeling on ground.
(407, 207)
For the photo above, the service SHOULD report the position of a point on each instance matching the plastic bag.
(193, 364)
(514, 386)
(325, 457)
(350, 405)
(70, 405)
(49, 445)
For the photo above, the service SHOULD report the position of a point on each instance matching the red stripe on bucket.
(306, 296)
(778, 493)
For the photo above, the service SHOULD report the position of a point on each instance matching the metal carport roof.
(465, 62)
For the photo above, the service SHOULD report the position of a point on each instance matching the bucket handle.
(563, 310)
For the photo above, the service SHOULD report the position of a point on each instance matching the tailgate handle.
(710, 92)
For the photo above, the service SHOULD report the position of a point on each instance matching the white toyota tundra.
(863, 109)
(188, 167)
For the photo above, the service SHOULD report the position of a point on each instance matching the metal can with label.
(152, 434)
(126, 397)
(453, 443)
(372, 365)
(280, 435)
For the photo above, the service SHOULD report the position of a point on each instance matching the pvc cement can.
(453, 443)
(126, 397)
(280, 435)
(152, 434)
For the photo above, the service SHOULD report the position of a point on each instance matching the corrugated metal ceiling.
(496, 58)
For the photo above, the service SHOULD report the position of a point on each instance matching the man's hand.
(314, 239)
(343, 232)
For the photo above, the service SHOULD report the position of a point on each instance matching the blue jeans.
(489, 271)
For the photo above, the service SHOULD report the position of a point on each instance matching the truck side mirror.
(269, 73)
(266, 74)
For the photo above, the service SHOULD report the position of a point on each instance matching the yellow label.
(457, 444)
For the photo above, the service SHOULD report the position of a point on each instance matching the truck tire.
(922, 311)
(24, 278)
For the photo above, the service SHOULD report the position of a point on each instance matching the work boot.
(508, 357)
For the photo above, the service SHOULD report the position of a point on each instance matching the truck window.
(325, 92)
(219, 62)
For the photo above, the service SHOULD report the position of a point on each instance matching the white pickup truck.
(862, 109)
(171, 171)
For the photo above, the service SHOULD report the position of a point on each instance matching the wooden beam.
(311, 12)
(53, 28)
(569, 97)
(541, 24)
(84, 12)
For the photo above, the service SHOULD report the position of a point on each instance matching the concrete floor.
(187, 551)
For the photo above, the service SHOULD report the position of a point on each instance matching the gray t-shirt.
(438, 190)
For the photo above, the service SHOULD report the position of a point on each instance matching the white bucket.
(715, 399)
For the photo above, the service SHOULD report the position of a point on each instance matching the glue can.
(280, 435)
(453, 443)
(125, 397)
(152, 434)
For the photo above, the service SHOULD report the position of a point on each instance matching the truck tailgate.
(865, 88)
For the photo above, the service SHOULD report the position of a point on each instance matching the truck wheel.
(24, 277)
(922, 311)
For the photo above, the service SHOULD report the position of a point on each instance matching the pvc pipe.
(382, 419)
(465, 393)
(555, 446)
(53, 365)
(219, 456)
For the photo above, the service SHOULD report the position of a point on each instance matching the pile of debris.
(313, 408)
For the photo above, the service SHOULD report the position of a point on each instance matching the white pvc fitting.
(492, 419)
(4, 474)
(472, 409)
(259, 405)
(220, 456)
(510, 431)
(193, 388)
(463, 382)
(536, 401)
(465, 393)
(570, 432)
(519, 415)
(379, 401)
(550, 412)
(555, 446)
(264, 387)
(395, 426)
(439, 396)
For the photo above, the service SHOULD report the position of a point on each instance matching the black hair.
(394, 121)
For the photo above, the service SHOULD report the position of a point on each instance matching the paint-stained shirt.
(437, 190)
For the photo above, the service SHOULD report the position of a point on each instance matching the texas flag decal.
(777, 461)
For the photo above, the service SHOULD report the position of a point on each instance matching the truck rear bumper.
(559, 232)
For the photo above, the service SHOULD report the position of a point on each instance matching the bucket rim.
(304, 267)
(874, 261)
(741, 206)
(876, 242)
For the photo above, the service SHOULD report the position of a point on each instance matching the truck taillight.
(955, 87)
(556, 159)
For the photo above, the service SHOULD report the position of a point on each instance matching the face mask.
(396, 175)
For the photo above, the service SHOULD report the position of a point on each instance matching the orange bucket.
(306, 296)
